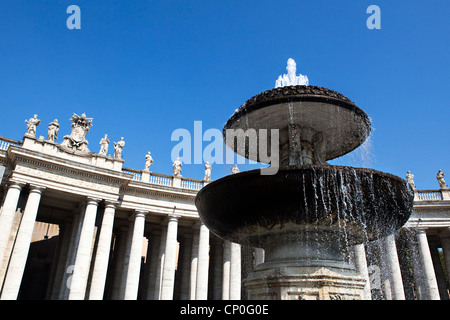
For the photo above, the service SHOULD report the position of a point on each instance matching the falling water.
(291, 113)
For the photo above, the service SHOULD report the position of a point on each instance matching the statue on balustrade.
(32, 123)
(410, 179)
(104, 144)
(235, 169)
(440, 178)
(80, 128)
(207, 172)
(148, 161)
(53, 128)
(177, 168)
(118, 147)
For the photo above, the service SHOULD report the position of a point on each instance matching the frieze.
(51, 167)
(66, 179)
(153, 193)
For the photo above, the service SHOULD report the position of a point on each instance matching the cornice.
(38, 160)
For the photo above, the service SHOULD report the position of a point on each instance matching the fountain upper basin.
(313, 110)
(348, 203)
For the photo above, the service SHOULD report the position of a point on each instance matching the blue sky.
(143, 69)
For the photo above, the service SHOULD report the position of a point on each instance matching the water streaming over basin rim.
(357, 204)
(344, 126)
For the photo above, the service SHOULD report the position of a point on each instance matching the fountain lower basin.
(352, 205)
(306, 218)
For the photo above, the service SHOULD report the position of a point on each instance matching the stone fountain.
(309, 214)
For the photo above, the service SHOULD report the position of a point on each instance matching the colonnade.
(18, 257)
(413, 271)
(99, 256)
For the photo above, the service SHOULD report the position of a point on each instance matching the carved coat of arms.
(80, 127)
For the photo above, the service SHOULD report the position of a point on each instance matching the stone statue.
(177, 168)
(32, 123)
(53, 128)
(118, 146)
(440, 178)
(148, 161)
(291, 79)
(235, 169)
(207, 171)
(80, 127)
(104, 145)
(409, 178)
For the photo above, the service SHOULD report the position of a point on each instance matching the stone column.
(118, 262)
(134, 265)
(226, 270)
(152, 263)
(235, 272)
(55, 268)
(126, 258)
(160, 263)
(83, 255)
(201, 290)
(7, 215)
(186, 263)
(217, 269)
(417, 269)
(194, 266)
(168, 275)
(384, 272)
(102, 255)
(70, 252)
(19, 254)
(428, 268)
(445, 242)
(438, 271)
(362, 269)
(394, 268)
(64, 240)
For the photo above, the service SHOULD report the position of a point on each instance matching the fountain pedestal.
(304, 269)
(304, 283)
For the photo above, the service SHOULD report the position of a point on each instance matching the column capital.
(140, 213)
(199, 223)
(92, 200)
(421, 230)
(111, 204)
(173, 217)
(37, 188)
(16, 185)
